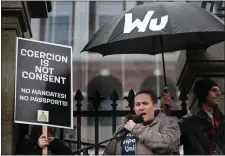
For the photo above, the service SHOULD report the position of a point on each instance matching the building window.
(103, 19)
(101, 12)
(58, 29)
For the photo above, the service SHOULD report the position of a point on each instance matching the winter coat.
(197, 138)
(161, 136)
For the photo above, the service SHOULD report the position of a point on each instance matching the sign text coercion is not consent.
(43, 72)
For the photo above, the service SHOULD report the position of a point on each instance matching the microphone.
(135, 118)
(138, 119)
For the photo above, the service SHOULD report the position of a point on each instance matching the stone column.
(15, 23)
(16, 19)
(193, 65)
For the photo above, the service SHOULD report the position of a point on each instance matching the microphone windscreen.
(138, 119)
(128, 117)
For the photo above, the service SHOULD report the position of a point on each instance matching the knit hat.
(202, 87)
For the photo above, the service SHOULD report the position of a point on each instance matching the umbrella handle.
(166, 107)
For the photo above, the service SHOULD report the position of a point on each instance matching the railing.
(114, 113)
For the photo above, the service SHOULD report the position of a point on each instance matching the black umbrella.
(157, 28)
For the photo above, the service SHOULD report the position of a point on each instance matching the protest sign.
(43, 88)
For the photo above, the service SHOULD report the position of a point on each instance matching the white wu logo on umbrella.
(142, 25)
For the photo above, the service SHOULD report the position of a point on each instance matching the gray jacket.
(162, 136)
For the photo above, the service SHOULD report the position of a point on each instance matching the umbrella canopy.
(156, 28)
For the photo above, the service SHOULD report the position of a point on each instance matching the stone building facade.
(72, 23)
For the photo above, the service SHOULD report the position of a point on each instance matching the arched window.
(105, 86)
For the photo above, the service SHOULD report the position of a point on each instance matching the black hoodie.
(29, 145)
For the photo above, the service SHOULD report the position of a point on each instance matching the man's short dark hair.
(149, 92)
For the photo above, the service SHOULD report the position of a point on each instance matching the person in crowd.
(34, 142)
(157, 134)
(203, 133)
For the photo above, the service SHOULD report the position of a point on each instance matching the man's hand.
(43, 141)
(129, 125)
(166, 99)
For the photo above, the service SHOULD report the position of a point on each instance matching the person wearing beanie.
(203, 133)
(203, 91)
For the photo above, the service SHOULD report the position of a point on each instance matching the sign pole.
(45, 133)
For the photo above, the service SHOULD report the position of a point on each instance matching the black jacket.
(196, 137)
(30, 147)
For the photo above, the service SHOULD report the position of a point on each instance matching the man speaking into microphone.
(157, 134)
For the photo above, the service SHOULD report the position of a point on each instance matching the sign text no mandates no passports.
(43, 88)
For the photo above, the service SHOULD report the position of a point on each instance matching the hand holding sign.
(43, 141)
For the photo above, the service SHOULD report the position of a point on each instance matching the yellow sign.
(42, 116)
